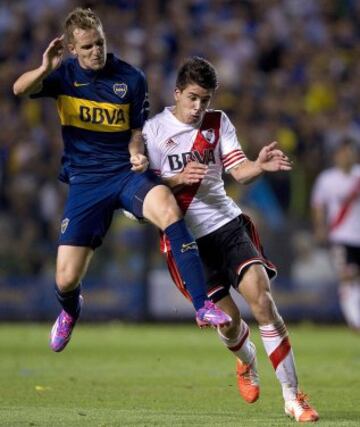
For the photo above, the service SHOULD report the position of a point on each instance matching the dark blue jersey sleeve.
(140, 103)
(51, 85)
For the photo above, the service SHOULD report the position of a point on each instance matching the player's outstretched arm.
(270, 159)
(31, 81)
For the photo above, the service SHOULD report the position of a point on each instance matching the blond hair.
(84, 19)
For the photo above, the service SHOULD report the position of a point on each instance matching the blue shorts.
(90, 206)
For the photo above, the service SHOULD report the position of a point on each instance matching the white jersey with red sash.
(172, 144)
(339, 193)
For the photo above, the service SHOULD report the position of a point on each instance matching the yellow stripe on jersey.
(93, 115)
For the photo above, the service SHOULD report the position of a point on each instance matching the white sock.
(349, 294)
(240, 346)
(278, 348)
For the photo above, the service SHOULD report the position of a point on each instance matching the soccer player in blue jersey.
(102, 104)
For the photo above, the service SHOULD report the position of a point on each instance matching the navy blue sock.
(187, 259)
(69, 301)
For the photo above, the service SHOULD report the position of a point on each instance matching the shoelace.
(303, 400)
(246, 374)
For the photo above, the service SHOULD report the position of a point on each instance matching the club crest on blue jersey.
(120, 89)
(64, 225)
(209, 135)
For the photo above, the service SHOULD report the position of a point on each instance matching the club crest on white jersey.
(209, 135)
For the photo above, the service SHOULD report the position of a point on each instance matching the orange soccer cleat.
(248, 381)
(300, 409)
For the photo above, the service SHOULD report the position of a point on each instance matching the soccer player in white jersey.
(336, 213)
(190, 146)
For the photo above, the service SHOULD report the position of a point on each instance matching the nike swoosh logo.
(77, 84)
(188, 246)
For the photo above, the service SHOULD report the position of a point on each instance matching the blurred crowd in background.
(289, 71)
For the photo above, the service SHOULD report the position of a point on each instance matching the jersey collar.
(90, 75)
(168, 111)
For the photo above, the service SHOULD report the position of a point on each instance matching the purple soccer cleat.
(211, 315)
(61, 331)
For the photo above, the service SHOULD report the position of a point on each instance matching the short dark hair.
(196, 70)
(346, 142)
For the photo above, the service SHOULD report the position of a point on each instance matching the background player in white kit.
(189, 147)
(336, 213)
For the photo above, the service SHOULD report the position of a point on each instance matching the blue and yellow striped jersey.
(97, 110)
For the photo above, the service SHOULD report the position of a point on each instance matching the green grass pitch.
(166, 375)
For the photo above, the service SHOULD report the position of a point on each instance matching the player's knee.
(171, 215)
(160, 207)
(67, 279)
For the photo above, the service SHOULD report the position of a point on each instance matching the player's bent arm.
(136, 144)
(192, 173)
(319, 223)
(30, 82)
(138, 159)
(173, 182)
